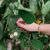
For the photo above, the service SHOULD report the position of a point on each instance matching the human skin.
(45, 28)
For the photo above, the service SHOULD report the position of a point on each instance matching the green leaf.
(11, 5)
(27, 16)
(23, 36)
(12, 23)
(2, 47)
(1, 30)
(46, 8)
(27, 44)
(23, 8)
(26, 9)
(13, 8)
(7, 2)
(37, 44)
(16, 4)
(33, 6)
(34, 35)
(8, 11)
(15, 12)
(20, 7)
(44, 40)
(47, 19)
(11, 20)
(22, 44)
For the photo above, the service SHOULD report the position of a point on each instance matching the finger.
(20, 19)
(21, 25)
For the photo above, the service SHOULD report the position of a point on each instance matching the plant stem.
(42, 3)
(9, 46)
(19, 1)
(43, 18)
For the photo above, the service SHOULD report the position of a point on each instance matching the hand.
(28, 27)
(22, 22)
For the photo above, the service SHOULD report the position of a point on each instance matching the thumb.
(21, 25)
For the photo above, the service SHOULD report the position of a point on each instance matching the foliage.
(29, 11)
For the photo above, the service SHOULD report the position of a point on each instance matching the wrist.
(37, 27)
